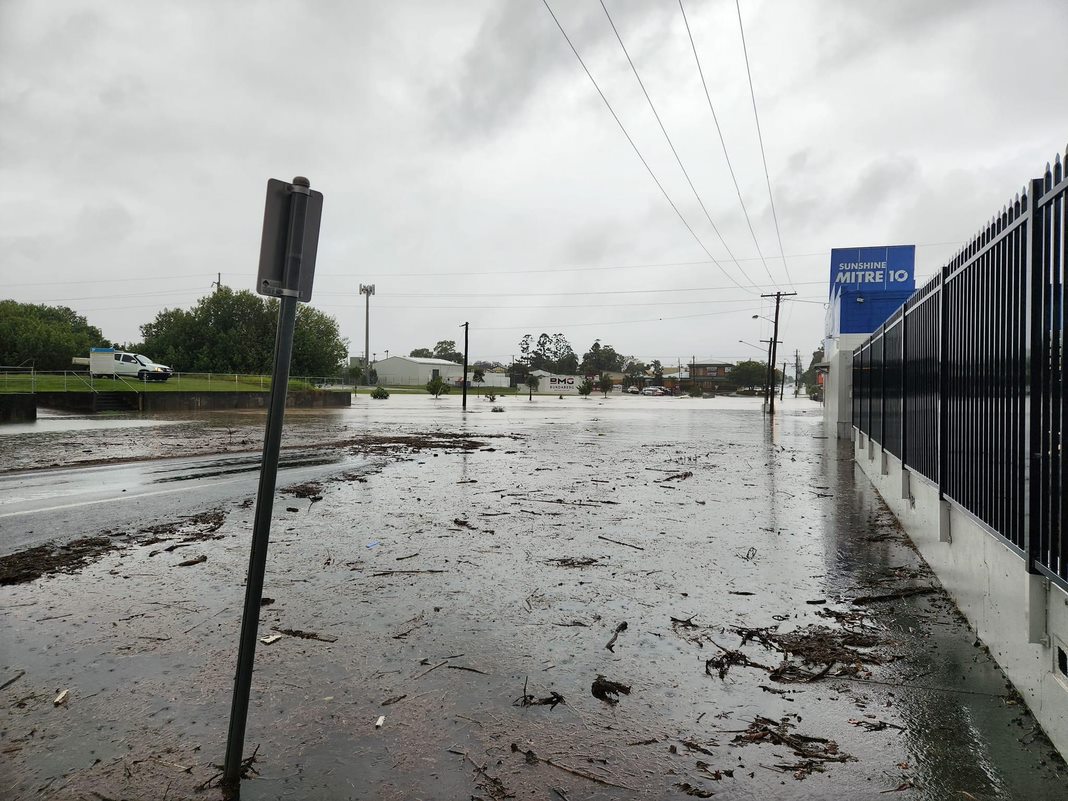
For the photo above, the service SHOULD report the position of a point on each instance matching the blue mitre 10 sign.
(870, 271)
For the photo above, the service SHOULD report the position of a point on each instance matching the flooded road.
(772, 634)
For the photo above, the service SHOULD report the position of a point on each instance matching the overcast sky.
(472, 172)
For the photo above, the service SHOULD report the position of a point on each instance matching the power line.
(649, 169)
(539, 270)
(722, 141)
(760, 139)
(564, 326)
(671, 144)
(567, 293)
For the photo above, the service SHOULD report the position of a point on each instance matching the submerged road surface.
(61, 504)
(631, 598)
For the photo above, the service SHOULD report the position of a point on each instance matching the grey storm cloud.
(472, 172)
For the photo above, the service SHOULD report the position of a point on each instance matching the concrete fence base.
(1021, 617)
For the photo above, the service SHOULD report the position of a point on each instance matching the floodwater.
(448, 580)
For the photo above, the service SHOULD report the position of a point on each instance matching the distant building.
(710, 375)
(400, 371)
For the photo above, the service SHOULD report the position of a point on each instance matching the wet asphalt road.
(58, 505)
(443, 584)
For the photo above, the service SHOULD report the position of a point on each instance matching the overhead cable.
(649, 169)
(760, 139)
(675, 152)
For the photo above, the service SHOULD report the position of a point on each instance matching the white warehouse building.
(398, 371)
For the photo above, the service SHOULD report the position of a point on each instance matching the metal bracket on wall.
(944, 534)
(1037, 610)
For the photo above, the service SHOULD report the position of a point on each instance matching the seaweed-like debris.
(608, 690)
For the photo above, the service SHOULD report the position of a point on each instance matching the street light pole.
(465, 326)
(367, 290)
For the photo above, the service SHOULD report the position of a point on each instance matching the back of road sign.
(273, 246)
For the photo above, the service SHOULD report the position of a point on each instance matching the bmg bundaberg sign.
(873, 270)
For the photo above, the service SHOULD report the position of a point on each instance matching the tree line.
(225, 332)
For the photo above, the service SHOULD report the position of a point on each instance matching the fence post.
(1035, 370)
(944, 534)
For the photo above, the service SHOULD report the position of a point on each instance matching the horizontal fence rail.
(965, 383)
(23, 380)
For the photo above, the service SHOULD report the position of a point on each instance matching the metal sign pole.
(299, 237)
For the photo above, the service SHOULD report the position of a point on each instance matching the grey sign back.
(274, 246)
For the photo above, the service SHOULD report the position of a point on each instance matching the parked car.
(117, 363)
(655, 391)
(632, 390)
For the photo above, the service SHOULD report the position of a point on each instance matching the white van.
(111, 362)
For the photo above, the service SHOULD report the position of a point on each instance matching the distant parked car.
(632, 390)
(110, 362)
(654, 391)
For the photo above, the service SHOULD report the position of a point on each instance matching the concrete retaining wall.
(197, 401)
(18, 408)
(1021, 618)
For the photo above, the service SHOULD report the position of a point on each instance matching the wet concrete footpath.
(631, 598)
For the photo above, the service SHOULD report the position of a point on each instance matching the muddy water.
(570, 519)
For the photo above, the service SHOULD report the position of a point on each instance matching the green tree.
(532, 384)
(422, 353)
(437, 387)
(234, 332)
(604, 383)
(658, 372)
(585, 388)
(478, 376)
(601, 358)
(809, 376)
(753, 375)
(44, 337)
(446, 349)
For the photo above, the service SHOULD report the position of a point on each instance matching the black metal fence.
(965, 383)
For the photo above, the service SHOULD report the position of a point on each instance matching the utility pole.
(367, 290)
(465, 326)
(782, 389)
(217, 283)
(797, 373)
(773, 348)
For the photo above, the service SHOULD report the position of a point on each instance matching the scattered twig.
(403, 572)
(893, 596)
(611, 646)
(196, 560)
(617, 542)
(533, 758)
(440, 664)
(468, 669)
(12, 680)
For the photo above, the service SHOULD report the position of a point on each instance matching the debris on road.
(307, 635)
(196, 560)
(618, 542)
(61, 698)
(608, 690)
(894, 596)
(611, 646)
(12, 680)
(270, 638)
(381, 720)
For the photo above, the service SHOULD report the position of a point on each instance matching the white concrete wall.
(838, 385)
(1020, 617)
